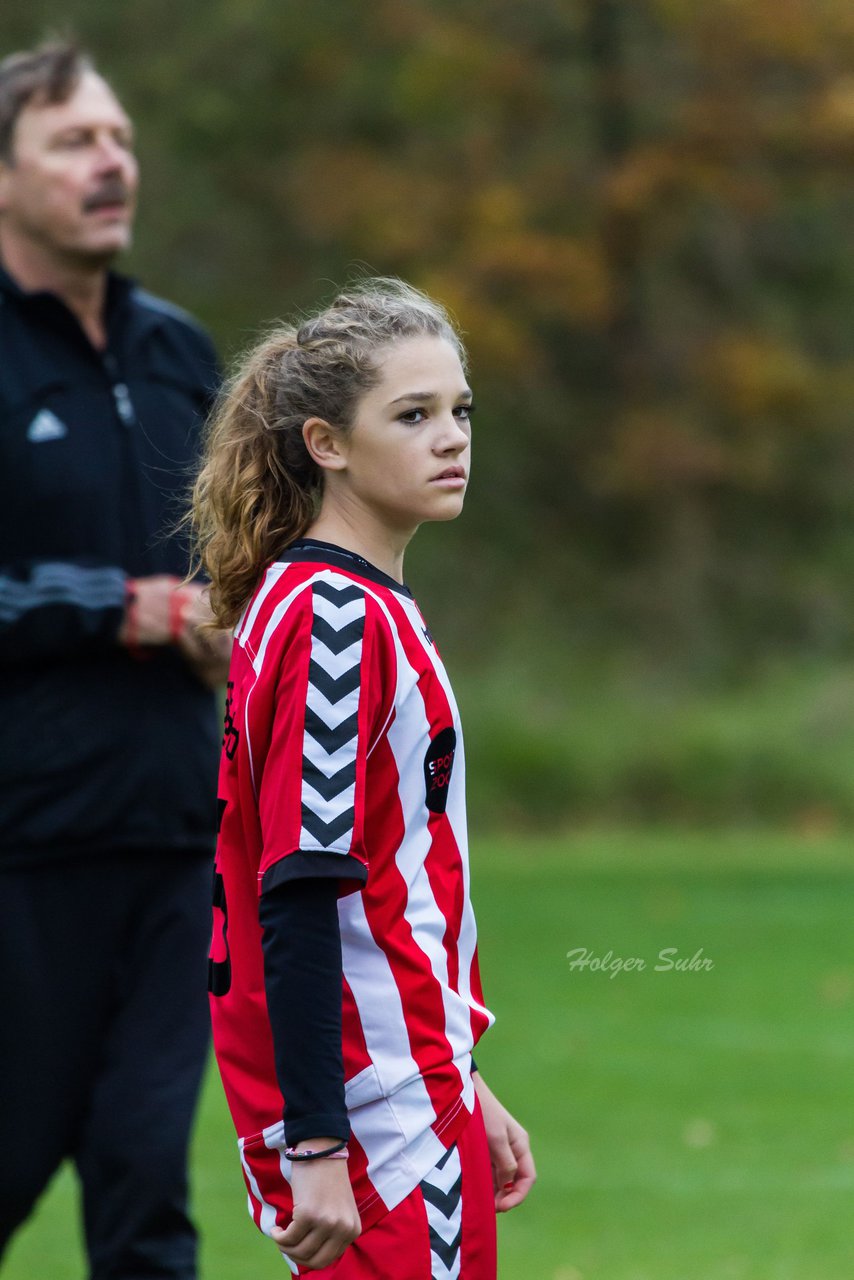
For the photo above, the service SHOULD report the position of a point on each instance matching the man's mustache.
(111, 191)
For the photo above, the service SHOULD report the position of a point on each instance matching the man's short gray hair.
(46, 75)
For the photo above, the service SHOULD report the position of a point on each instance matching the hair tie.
(338, 1152)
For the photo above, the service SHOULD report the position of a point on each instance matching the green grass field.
(688, 1125)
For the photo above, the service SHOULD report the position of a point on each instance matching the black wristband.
(298, 1156)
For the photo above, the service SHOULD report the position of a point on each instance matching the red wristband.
(132, 621)
(179, 602)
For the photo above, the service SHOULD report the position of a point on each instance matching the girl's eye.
(414, 417)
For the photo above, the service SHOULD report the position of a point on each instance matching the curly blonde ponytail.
(248, 501)
(258, 488)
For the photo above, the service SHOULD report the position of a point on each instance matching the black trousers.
(103, 1040)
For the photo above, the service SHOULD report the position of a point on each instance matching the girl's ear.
(325, 445)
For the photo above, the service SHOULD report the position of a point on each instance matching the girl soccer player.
(343, 969)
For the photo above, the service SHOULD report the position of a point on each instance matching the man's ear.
(325, 445)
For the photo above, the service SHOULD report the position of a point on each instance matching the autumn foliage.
(641, 212)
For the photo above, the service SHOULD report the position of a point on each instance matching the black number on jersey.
(219, 971)
(231, 734)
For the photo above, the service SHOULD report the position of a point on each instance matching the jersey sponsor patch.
(438, 765)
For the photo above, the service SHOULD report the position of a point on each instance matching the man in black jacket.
(110, 737)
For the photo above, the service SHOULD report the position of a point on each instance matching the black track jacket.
(100, 750)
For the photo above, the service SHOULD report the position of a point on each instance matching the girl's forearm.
(302, 978)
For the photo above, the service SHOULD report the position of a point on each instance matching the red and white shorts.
(443, 1230)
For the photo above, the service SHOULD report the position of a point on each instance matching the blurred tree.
(639, 209)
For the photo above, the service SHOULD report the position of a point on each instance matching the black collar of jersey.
(123, 319)
(313, 550)
(119, 289)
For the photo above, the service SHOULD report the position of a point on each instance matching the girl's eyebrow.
(429, 395)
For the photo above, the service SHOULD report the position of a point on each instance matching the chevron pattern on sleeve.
(443, 1199)
(332, 716)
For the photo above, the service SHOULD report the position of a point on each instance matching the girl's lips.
(451, 473)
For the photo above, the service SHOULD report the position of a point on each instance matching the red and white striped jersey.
(343, 756)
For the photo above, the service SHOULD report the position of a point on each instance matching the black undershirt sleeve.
(302, 978)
